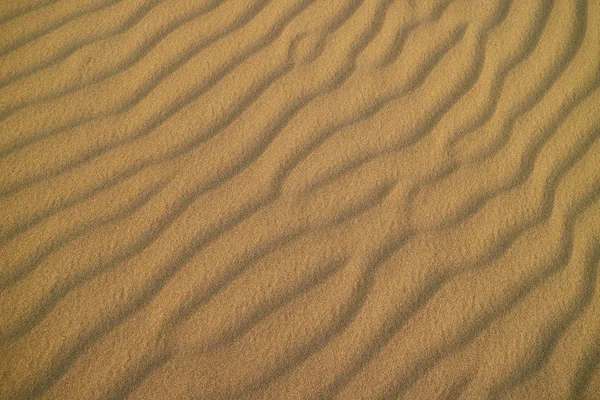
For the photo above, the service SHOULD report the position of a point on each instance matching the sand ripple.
(297, 199)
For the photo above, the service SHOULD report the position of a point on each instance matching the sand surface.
(299, 199)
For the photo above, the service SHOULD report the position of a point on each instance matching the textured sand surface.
(299, 199)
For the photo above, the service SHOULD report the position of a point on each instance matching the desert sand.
(299, 199)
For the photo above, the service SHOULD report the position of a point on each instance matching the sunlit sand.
(299, 199)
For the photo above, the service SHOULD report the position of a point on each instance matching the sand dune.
(298, 199)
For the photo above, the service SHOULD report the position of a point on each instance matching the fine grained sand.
(298, 199)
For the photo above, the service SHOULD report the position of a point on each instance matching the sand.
(299, 199)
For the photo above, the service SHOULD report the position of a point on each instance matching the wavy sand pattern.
(298, 199)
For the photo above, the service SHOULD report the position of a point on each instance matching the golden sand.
(299, 199)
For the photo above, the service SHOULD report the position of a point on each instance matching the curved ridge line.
(185, 312)
(201, 191)
(210, 187)
(577, 39)
(374, 108)
(164, 280)
(255, 316)
(357, 163)
(565, 112)
(198, 191)
(133, 205)
(49, 377)
(345, 316)
(303, 354)
(109, 183)
(482, 323)
(128, 25)
(303, 287)
(239, 109)
(488, 319)
(397, 46)
(500, 249)
(505, 71)
(59, 368)
(131, 21)
(30, 223)
(131, 171)
(158, 284)
(404, 143)
(65, 359)
(128, 174)
(23, 41)
(149, 128)
(107, 148)
(141, 92)
(18, 14)
(503, 246)
(527, 165)
(379, 104)
(429, 126)
(133, 380)
(242, 165)
(585, 371)
(554, 334)
(155, 287)
(255, 257)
